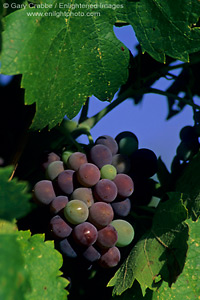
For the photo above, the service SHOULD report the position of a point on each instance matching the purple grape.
(109, 142)
(91, 254)
(85, 234)
(110, 258)
(105, 190)
(100, 155)
(144, 162)
(66, 249)
(59, 228)
(124, 185)
(121, 162)
(88, 175)
(43, 192)
(84, 194)
(76, 159)
(100, 214)
(65, 181)
(58, 204)
(54, 169)
(52, 156)
(122, 208)
(107, 237)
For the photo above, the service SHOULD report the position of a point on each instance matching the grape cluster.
(89, 196)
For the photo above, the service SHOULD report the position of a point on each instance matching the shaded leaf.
(14, 197)
(13, 277)
(42, 263)
(161, 251)
(188, 183)
(187, 285)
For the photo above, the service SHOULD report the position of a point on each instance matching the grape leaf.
(64, 60)
(14, 197)
(160, 252)
(188, 281)
(188, 183)
(13, 277)
(42, 262)
(162, 28)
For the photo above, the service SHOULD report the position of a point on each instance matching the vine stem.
(160, 92)
(92, 121)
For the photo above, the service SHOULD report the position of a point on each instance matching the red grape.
(44, 192)
(124, 185)
(59, 228)
(110, 258)
(58, 204)
(100, 155)
(109, 142)
(85, 234)
(105, 190)
(100, 214)
(76, 159)
(107, 237)
(88, 174)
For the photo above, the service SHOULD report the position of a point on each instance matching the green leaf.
(163, 29)
(161, 251)
(42, 263)
(187, 286)
(13, 276)
(75, 58)
(188, 183)
(14, 197)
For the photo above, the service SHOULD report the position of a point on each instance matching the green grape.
(65, 155)
(128, 145)
(125, 232)
(76, 212)
(108, 172)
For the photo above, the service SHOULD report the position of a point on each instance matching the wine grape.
(59, 228)
(121, 208)
(91, 254)
(110, 258)
(85, 234)
(88, 174)
(127, 142)
(107, 237)
(100, 155)
(76, 211)
(125, 232)
(43, 192)
(54, 169)
(108, 172)
(109, 142)
(100, 214)
(58, 204)
(84, 194)
(76, 159)
(105, 190)
(52, 156)
(144, 162)
(66, 249)
(65, 181)
(124, 185)
(121, 162)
